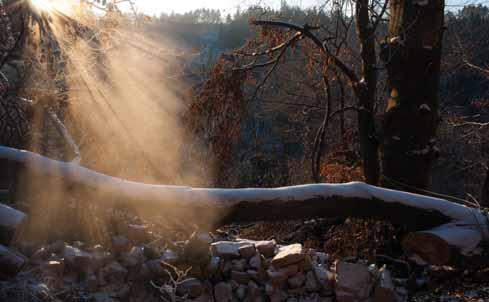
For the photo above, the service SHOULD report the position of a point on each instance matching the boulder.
(247, 251)
(288, 255)
(196, 249)
(226, 249)
(256, 262)
(353, 283)
(385, 290)
(297, 280)
(223, 292)
(278, 277)
(192, 288)
(240, 277)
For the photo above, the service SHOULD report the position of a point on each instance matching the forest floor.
(135, 265)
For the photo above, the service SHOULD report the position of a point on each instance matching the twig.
(66, 135)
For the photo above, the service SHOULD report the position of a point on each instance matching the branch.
(306, 30)
(439, 226)
(66, 135)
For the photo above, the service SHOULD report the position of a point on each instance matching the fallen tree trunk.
(439, 226)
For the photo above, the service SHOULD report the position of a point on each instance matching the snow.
(9, 217)
(468, 225)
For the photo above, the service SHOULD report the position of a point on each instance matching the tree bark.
(485, 190)
(447, 225)
(412, 53)
(366, 96)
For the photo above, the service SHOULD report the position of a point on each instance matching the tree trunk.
(485, 190)
(366, 95)
(412, 53)
(439, 226)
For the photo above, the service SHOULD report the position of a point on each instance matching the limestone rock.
(288, 255)
(354, 282)
(247, 251)
(226, 249)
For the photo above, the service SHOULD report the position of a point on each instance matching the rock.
(280, 276)
(39, 290)
(196, 249)
(92, 283)
(321, 258)
(223, 292)
(385, 290)
(116, 270)
(128, 260)
(306, 264)
(53, 268)
(102, 297)
(311, 283)
(254, 275)
(241, 292)
(354, 282)
(247, 251)
(155, 268)
(191, 287)
(225, 249)
(169, 257)
(76, 258)
(120, 244)
(254, 292)
(267, 248)
(137, 252)
(137, 233)
(256, 262)
(151, 252)
(40, 255)
(213, 266)
(100, 259)
(324, 277)
(297, 280)
(238, 264)
(288, 255)
(240, 277)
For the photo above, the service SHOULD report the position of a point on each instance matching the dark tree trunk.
(412, 53)
(366, 95)
(485, 190)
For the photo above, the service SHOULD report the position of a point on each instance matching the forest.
(337, 152)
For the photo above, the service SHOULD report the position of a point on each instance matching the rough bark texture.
(485, 190)
(412, 54)
(366, 97)
(453, 225)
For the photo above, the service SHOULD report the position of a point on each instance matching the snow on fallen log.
(439, 226)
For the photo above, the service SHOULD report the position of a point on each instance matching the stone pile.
(203, 269)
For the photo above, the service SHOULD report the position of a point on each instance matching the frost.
(425, 107)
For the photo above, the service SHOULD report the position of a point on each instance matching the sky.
(156, 7)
